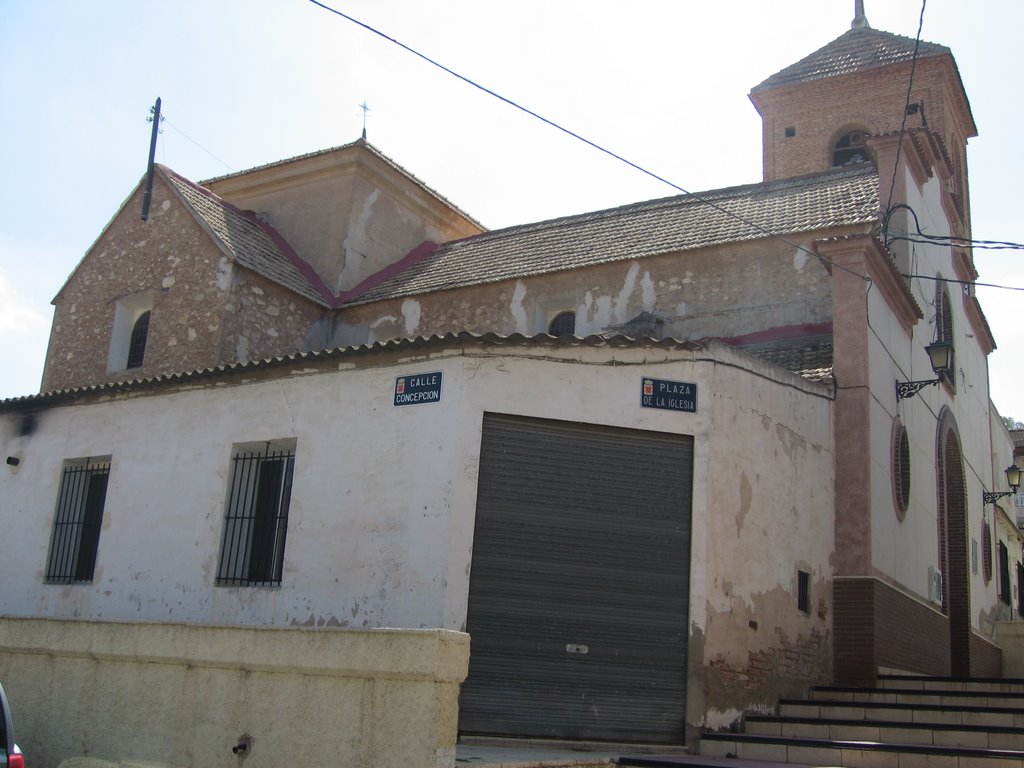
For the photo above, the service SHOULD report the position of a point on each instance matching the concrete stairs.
(904, 722)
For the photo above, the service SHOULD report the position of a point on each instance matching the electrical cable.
(906, 106)
(735, 216)
(756, 227)
(163, 119)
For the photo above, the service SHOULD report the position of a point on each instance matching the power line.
(964, 282)
(185, 135)
(906, 106)
(763, 230)
(756, 227)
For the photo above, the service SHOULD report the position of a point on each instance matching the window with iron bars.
(77, 521)
(256, 518)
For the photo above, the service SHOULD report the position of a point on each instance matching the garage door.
(579, 587)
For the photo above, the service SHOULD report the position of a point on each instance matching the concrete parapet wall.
(1010, 636)
(184, 695)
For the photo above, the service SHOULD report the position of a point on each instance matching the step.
(1002, 717)
(698, 761)
(854, 753)
(945, 697)
(981, 737)
(921, 682)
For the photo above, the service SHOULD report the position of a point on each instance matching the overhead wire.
(753, 225)
(906, 106)
(163, 119)
(985, 244)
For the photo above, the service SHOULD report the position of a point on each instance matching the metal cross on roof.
(366, 108)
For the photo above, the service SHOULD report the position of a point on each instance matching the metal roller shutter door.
(579, 589)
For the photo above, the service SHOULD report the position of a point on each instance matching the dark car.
(11, 756)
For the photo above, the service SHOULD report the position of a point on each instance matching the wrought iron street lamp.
(940, 355)
(1012, 479)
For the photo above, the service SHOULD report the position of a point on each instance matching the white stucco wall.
(904, 551)
(380, 527)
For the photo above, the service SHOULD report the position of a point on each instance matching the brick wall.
(821, 111)
(876, 625)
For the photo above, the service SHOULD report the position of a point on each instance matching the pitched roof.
(811, 359)
(303, 362)
(841, 197)
(252, 243)
(1017, 435)
(853, 51)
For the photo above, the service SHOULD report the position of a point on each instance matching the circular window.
(900, 468)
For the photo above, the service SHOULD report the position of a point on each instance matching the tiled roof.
(812, 361)
(1017, 435)
(302, 361)
(252, 243)
(853, 51)
(844, 197)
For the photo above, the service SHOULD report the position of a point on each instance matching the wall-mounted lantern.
(1012, 480)
(940, 355)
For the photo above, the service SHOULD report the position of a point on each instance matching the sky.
(663, 83)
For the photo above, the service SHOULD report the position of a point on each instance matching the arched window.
(137, 344)
(563, 324)
(849, 149)
(943, 314)
(944, 327)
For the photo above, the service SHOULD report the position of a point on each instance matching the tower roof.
(856, 50)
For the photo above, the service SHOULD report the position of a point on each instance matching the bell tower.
(818, 113)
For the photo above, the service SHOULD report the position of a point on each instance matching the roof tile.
(853, 51)
(836, 198)
(252, 243)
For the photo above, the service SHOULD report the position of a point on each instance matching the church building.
(664, 463)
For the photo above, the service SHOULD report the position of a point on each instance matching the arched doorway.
(954, 556)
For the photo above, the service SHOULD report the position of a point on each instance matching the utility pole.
(147, 195)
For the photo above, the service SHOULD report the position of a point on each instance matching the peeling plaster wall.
(382, 512)
(769, 515)
(348, 215)
(721, 292)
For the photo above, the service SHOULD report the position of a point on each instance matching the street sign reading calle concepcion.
(669, 395)
(418, 388)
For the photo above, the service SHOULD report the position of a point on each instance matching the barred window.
(256, 518)
(77, 521)
(563, 324)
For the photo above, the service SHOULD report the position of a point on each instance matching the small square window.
(790, 132)
(256, 517)
(77, 521)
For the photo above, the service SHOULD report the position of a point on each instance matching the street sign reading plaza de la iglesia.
(669, 395)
